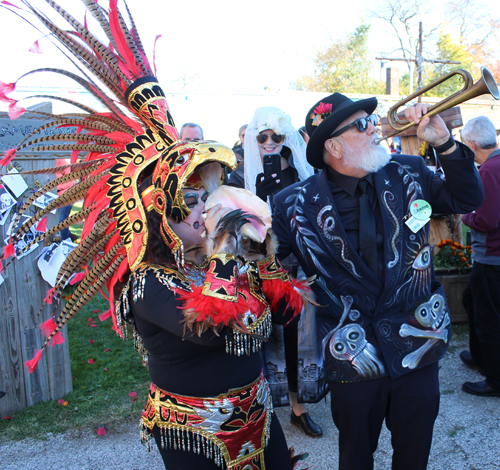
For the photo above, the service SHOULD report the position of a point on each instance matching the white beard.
(370, 160)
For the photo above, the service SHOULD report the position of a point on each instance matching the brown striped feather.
(86, 294)
(70, 196)
(100, 15)
(130, 42)
(59, 169)
(91, 40)
(92, 276)
(51, 185)
(80, 53)
(75, 218)
(65, 100)
(74, 265)
(86, 123)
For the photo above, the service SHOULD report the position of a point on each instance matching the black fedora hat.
(325, 116)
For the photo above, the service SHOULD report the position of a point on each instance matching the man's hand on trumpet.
(432, 129)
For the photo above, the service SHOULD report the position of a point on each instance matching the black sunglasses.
(277, 139)
(361, 124)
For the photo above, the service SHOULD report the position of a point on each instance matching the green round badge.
(420, 209)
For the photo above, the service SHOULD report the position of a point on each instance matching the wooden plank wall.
(20, 301)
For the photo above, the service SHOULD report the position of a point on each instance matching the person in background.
(238, 151)
(481, 298)
(359, 227)
(271, 132)
(241, 135)
(191, 131)
(304, 134)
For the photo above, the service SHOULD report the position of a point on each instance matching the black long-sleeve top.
(182, 362)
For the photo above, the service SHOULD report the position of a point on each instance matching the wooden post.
(21, 296)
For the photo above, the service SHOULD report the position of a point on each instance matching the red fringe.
(31, 364)
(276, 290)
(8, 250)
(210, 308)
(9, 155)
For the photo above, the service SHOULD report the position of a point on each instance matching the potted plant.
(452, 265)
(452, 256)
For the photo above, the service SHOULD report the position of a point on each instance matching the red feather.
(9, 155)
(35, 48)
(218, 310)
(15, 111)
(32, 363)
(50, 294)
(104, 316)
(58, 338)
(9, 250)
(120, 137)
(121, 42)
(275, 290)
(47, 327)
(5, 2)
(6, 88)
(158, 36)
(42, 225)
(76, 278)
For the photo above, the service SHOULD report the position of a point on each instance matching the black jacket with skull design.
(370, 327)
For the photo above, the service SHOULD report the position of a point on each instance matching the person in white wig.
(271, 132)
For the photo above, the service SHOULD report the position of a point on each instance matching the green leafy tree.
(344, 67)
(447, 49)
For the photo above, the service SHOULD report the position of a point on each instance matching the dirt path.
(466, 437)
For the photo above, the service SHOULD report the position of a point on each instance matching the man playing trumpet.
(361, 226)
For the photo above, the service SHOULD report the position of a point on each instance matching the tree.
(479, 32)
(344, 67)
(403, 17)
(447, 49)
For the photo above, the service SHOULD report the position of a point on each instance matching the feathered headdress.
(135, 134)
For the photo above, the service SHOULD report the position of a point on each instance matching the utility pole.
(419, 61)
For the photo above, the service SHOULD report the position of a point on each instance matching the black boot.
(307, 425)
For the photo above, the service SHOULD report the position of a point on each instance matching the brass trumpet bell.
(486, 84)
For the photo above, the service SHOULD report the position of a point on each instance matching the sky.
(237, 48)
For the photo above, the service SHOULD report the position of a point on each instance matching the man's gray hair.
(481, 131)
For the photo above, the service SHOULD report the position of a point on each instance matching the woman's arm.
(160, 307)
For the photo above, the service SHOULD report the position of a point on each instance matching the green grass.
(99, 397)
(460, 331)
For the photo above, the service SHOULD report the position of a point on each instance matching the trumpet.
(486, 84)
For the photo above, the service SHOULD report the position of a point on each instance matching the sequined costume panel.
(232, 428)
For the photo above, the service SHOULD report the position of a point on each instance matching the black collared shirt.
(346, 194)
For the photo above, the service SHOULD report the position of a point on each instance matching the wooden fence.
(21, 296)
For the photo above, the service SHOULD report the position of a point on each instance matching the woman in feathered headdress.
(190, 265)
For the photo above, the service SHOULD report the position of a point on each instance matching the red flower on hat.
(323, 108)
(320, 113)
